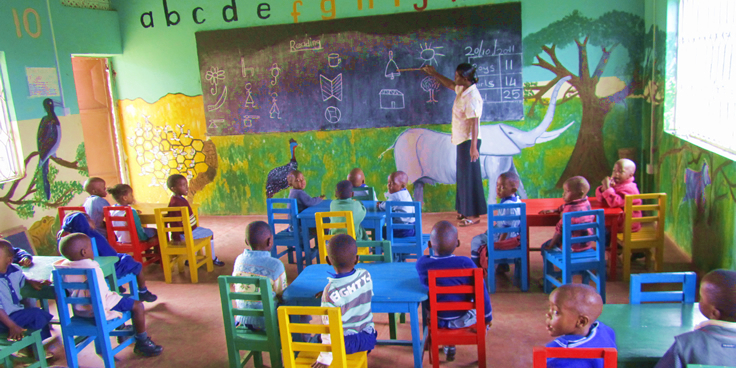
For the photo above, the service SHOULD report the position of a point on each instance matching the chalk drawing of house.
(391, 99)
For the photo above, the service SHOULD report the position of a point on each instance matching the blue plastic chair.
(114, 282)
(96, 328)
(584, 262)
(519, 253)
(290, 239)
(411, 247)
(687, 295)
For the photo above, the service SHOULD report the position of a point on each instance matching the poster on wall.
(343, 74)
(42, 82)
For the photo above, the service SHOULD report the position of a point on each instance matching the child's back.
(345, 202)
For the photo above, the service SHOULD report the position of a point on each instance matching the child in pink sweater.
(614, 189)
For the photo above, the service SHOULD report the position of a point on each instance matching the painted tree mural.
(610, 31)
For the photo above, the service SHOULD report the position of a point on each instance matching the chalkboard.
(343, 74)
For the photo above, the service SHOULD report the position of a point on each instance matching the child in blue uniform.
(572, 320)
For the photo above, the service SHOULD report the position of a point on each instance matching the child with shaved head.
(575, 195)
(77, 249)
(298, 182)
(257, 262)
(351, 290)
(614, 189)
(344, 202)
(397, 192)
(572, 320)
(96, 202)
(444, 241)
(357, 179)
(713, 342)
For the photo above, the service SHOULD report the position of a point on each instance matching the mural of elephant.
(428, 157)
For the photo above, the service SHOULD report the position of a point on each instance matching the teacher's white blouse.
(468, 104)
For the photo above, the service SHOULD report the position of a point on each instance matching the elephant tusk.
(548, 136)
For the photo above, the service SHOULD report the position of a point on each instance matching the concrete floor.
(187, 318)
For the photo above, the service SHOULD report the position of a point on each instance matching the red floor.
(187, 318)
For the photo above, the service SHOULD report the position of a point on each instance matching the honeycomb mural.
(163, 151)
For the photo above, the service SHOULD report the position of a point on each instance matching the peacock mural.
(48, 139)
(276, 180)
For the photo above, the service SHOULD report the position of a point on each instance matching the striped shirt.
(352, 292)
(574, 206)
(258, 263)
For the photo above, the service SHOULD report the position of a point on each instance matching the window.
(705, 104)
(10, 154)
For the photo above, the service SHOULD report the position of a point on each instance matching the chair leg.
(491, 279)
(258, 359)
(435, 355)
(392, 326)
(524, 274)
(107, 357)
(70, 349)
(208, 253)
(547, 284)
(193, 274)
(627, 263)
(275, 357)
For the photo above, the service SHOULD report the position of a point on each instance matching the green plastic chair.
(381, 251)
(364, 194)
(240, 338)
(33, 340)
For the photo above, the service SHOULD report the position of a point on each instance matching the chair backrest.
(475, 290)
(64, 300)
(659, 206)
(322, 238)
(364, 194)
(120, 219)
(687, 295)
(609, 355)
(166, 223)
(381, 251)
(598, 236)
(519, 218)
(337, 339)
(258, 289)
(282, 211)
(65, 210)
(391, 224)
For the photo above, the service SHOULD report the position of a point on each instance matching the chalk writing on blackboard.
(428, 54)
(306, 45)
(220, 101)
(331, 88)
(333, 114)
(391, 99)
(334, 60)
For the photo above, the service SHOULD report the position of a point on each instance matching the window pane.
(10, 156)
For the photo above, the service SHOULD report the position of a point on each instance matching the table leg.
(528, 257)
(304, 252)
(379, 230)
(613, 250)
(416, 339)
(392, 326)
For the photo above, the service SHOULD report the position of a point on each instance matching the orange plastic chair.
(308, 352)
(143, 252)
(64, 210)
(609, 355)
(650, 237)
(464, 336)
(196, 251)
(322, 238)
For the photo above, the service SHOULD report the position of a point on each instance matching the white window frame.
(705, 101)
(11, 154)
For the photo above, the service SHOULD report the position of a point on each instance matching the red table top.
(534, 205)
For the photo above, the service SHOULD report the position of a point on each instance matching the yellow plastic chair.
(310, 351)
(322, 238)
(651, 235)
(196, 251)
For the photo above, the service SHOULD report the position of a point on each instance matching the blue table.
(396, 289)
(374, 219)
(644, 332)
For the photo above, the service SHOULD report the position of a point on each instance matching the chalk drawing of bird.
(695, 183)
(276, 180)
(48, 139)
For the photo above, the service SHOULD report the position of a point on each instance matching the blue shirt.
(10, 284)
(508, 212)
(258, 263)
(599, 336)
(427, 263)
(93, 205)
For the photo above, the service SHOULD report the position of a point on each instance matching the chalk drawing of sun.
(428, 54)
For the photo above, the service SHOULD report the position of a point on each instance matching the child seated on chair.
(572, 320)
(81, 223)
(444, 241)
(77, 249)
(123, 194)
(575, 195)
(257, 262)
(357, 179)
(613, 191)
(507, 185)
(713, 342)
(20, 256)
(15, 318)
(178, 185)
(350, 289)
(95, 203)
(397, 191)
(298, 183)
(344, 202)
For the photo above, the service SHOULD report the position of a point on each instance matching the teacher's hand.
(429, 69)
(474, 155)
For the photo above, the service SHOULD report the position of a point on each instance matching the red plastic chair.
(609, 355)
(464, 336)
(144, 252)
(63, 210)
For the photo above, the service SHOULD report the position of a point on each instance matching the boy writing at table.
(713, 342)
(572, 320)
(350, 289)
(443, 241)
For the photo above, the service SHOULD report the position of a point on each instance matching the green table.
(41, 270)
(644, 332)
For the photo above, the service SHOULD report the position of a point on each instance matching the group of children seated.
(573, 308)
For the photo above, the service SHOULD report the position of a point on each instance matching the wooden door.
(98, 126)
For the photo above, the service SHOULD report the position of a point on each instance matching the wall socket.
(651, 169)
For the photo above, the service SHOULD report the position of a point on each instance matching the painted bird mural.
(695, 183)
(47, 139)
(276, 180)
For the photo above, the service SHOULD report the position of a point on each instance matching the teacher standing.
(470, 200)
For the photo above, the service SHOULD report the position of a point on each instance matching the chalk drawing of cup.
(334, 60)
